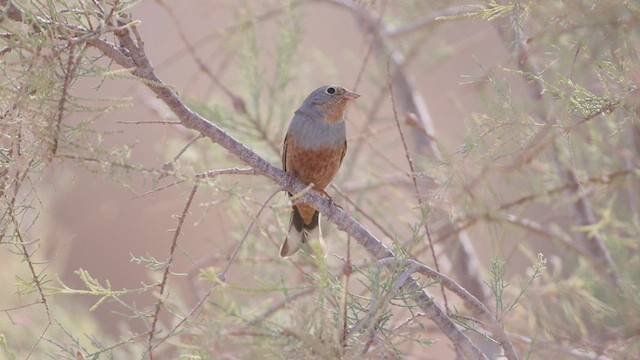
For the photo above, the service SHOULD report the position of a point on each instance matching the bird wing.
(344, 151)
(284, 152)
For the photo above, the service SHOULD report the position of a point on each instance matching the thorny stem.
(68, 76)
(165, 275)
(36, 281)
(19, 179)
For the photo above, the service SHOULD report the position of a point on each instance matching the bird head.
(330, 101)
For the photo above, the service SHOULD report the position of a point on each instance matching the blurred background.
(492, 159)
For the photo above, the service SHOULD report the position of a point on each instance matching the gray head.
(328, 102)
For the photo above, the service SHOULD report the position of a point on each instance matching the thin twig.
(68, 76)
(280, 304)
(600, 179)
(165, 275)
(228, 31)
(236, 100)
(222, 276)
(36, 281)
(476, 305)
(545, 231)
(121, 165)
(365, 60)
(19, 179)
(169, 166)
(364, 213)
(347, 270)
(206, 175)
(421, 205)
(188, 316)
(163, 122)
(427, 21)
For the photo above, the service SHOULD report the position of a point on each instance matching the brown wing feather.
(284, 153)
(344, 152)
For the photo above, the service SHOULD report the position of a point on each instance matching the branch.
(427, 21)
(473, 303)
(222, 277)
(165, 275)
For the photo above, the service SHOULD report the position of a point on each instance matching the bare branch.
(165, 275)
(426, 21)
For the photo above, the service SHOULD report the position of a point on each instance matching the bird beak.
(350, 95)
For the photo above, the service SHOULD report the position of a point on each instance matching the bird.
(313, 149)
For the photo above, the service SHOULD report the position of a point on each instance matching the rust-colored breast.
(317, 166)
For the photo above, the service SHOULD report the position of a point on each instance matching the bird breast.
(313, 165)
(316, 133)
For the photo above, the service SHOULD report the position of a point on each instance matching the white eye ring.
(330, 90)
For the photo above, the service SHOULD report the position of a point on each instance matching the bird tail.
(300, 233)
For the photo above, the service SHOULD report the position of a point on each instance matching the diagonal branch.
(472, 302)
(141, 67)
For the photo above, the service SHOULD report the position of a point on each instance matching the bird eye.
(330, 90)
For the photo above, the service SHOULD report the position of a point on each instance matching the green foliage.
(94, 288)
(498, 285)
(3, 343)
